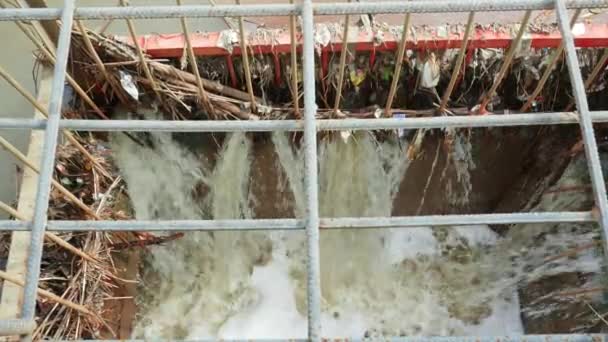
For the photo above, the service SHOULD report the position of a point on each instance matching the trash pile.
(423, 80)
(77, 274)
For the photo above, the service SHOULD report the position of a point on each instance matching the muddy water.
(418, 281)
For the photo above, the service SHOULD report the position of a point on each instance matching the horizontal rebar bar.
(152, 12)
(198, 11)
(455, 220)
(514, 338)
(447, 6)
(558, 118)
(297, 224)
(141, 225)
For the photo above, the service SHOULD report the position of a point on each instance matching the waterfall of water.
(204, 275)
(460, 155)
(419, 281)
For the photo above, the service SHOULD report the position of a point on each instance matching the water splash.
(419, 281)
(199, 275)
(460, 155)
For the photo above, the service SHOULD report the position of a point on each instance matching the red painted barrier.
(208, 44)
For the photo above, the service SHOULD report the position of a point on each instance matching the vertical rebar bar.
(398, 64)
(578, 88)
(246, 66)
(507, 61)
(311, 176)
(557, 55)
(343, 55)
(294, 64)
(47, 165)
(459, 61)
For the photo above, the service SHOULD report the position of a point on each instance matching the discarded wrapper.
(126, 81)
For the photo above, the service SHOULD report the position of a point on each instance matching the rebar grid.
(39, 220)
(309, 125)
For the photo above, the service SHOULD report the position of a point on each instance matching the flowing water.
(415, 281)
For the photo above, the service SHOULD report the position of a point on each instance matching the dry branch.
(50, 295)
(342, 67)
(194, 65)
(111, 81)
(52, 237)
(68, 135)
(245, 56)
(151, 240)
(17, 154)
(507, 61)
(294, 64)
(555, 57)
(398, 63)
(51, 58)
(459, 62)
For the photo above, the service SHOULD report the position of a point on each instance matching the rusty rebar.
(398, 64)
(459, 62)
(246, 67)
(142, 58)
(601, 64)
(194, 66)
(555, 57)
(342, 66)
(294, 64)
(487, 97)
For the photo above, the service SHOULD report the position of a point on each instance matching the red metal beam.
(208, 44)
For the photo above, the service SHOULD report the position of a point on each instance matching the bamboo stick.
(102, 68)
(50, 27)
(601, 64)
(597, 314)
(68, 135)
(53, 237)
(102, 29)
(50, 56)
(167, 71)
(507, 61)
(49, 295)
(245, 56)
(573, 251)
(17, 154)
(398, 64)
(597, 69)
(142, 57)
(171, 72)
(557, 55)
(458, 65)
(294, 64)
(194, 65)
(343, 55)
(581, 291)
